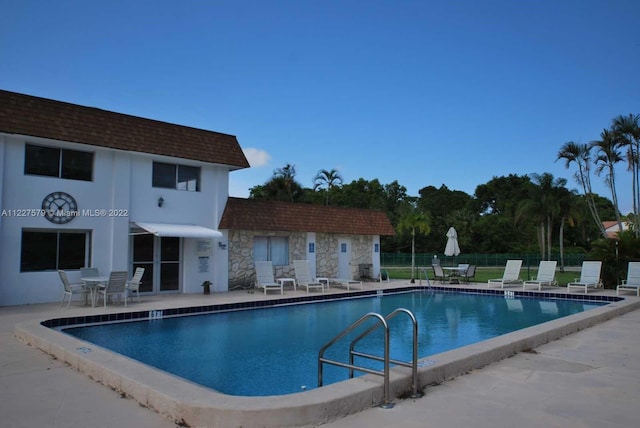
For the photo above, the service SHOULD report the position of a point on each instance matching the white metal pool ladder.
(387, 404)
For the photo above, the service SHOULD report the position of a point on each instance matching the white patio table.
(92, 283)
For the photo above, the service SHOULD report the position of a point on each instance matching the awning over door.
(180, 230)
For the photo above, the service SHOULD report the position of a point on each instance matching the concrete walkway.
(588, 379)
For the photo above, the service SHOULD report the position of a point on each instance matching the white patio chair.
(589, 276)
(133, 285)
(87, 272)
(69, 289)
(546, 275)
(511, 274)
(632, 283)
(117, 285)
(265, 278)
(303, 276)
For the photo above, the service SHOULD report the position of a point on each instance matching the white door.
(344, 259)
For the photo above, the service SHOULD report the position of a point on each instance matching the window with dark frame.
(53, 250)
(57, 162)
(173, 176)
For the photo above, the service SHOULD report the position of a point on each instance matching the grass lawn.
(485, 274)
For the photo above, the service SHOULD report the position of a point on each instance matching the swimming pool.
(194, 405)
(274, 351)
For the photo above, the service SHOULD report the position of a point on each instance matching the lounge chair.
(546, 275)
(632, 283)
(589, 277)
(510, 276)
(69, 289)
(343, 282)
(264, 277)
(117, 285)
(303, 276)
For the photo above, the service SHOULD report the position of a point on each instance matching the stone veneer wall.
(241, 267)
(327, 254)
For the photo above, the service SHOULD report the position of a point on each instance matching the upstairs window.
(172, 176)
(57, 162)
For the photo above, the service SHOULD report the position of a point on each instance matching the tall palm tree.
(606, 159)
(327, 180)
(414, 221)
(628, 129)
(579, 154)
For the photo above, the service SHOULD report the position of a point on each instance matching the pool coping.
(194, 405)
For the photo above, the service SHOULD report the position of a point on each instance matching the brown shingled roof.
(41, 117)
(253, 214)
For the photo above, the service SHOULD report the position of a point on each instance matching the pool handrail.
(414, 362)
(387, 404)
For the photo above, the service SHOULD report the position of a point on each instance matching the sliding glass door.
(160, 258)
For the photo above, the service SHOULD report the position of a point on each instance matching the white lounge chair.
(632, 283)
(546, 275)
(344, 282)
(264, 277)
(510, 276)
(589, 277)
(303, 276)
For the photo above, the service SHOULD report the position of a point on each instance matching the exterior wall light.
(160, 201)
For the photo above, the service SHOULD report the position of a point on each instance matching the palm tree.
(579, 153)
(327, 180)
(628, 129)
(414, 221)
(606, 159)
(567, 212)
(287, 176)
(543, 207)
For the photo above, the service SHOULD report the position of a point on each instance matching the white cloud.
(256, 157)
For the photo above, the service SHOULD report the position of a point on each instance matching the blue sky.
(422, 92)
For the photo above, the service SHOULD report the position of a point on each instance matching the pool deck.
(590, 378)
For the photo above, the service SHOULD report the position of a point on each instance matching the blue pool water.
(274, 351)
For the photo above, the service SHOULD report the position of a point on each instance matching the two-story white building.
(85, 187)
(82, 186)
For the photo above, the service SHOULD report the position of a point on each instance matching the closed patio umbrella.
(452, 248)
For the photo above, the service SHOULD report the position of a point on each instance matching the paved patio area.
(587, 379)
